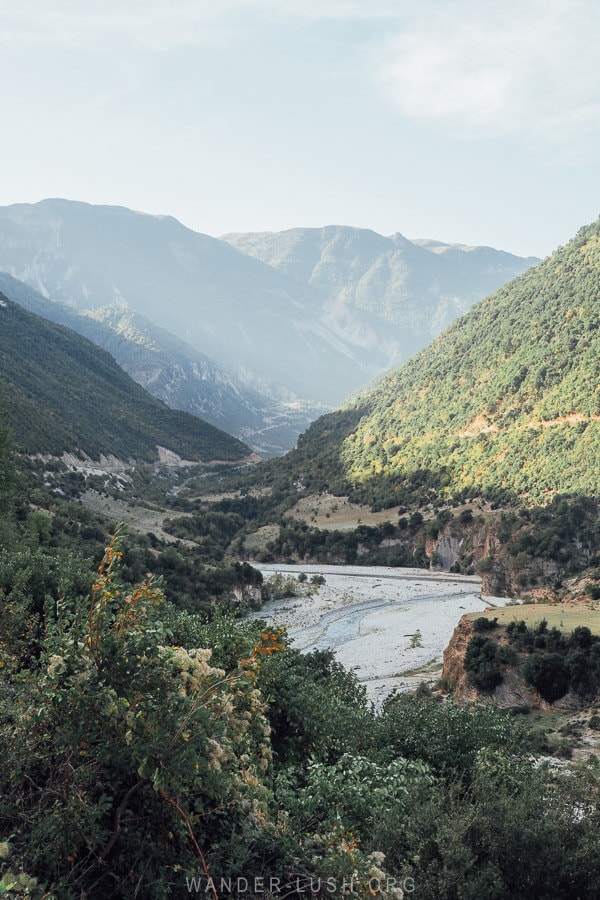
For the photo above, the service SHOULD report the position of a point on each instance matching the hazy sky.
(463, 120)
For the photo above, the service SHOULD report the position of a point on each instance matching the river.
(383, 623)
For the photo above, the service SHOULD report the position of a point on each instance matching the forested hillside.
(62, 393)
(505, 403)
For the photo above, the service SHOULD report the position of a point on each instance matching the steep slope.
(366, 282)
(171, 370)
(508, 399)
(62, 393)
(238, 311)
(506, 402)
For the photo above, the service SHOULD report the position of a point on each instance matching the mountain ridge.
(292, 336)
(199, 288)
(61, 393)
(368, 282)
(505, 403)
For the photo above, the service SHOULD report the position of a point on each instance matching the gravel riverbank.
(381, 622)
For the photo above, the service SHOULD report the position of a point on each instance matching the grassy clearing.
(257, 542)
(338, 513)
(333, 513)
(140, 518)
(564, 616)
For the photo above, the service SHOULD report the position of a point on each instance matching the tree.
(7, 472)
(125, 760)
(482, 662)
(548, 674)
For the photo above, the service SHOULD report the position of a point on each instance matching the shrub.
(482, 663)
(129, 758)
(548, 674)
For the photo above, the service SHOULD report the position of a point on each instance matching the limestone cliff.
(512, 693)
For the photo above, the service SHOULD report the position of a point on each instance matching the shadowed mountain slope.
(62, 393)
(171, 370)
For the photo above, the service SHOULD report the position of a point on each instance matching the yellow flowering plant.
(131, 757)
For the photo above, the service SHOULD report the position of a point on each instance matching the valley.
(379, 652)
(381, 623)
(211, 326)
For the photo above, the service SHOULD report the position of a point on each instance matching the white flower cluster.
(191, 667)
(56, 666)
(216, 755)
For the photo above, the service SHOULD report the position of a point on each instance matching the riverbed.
(383, 623)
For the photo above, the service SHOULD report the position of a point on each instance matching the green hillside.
(506, 402)
(62, 393)
(507, 399)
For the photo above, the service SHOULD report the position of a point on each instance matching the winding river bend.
(381, 622)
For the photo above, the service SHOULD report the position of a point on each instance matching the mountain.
(306, 316)
(243, 314)
(505, 403)
(171, 370)
(388, 295)
(61, 393)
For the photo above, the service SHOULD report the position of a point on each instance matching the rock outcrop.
(513, 693)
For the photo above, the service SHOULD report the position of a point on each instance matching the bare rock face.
(512, 693)
(453, 671)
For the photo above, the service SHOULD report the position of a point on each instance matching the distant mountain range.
(60, 393)
(171, 370)
(256, 333)
(505, 403)
(388, 295)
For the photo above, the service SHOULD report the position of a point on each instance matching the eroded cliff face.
(453, 671)
(476, 548)
(456, 542)
(512, 693)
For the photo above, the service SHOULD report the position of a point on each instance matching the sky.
(468, 121)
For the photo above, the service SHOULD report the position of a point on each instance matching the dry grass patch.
(257, 542)
(338, 513)
(564, 616)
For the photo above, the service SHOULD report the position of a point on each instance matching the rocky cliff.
(512, 693)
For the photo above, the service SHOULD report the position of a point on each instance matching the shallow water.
(369, 615)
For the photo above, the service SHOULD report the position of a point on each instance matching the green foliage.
(484, 624)
(316, 708)
(548, 674)
(384, 545)
(117, 748)
(7, 471)
(62, 393)
(561, 662)
(279, 586)
(346, 797)
(416, 639)
(446, 736)
(212, 530)
(516, 831)
(482, 662)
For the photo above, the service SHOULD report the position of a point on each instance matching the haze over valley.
(300, 450)
(258, 340)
